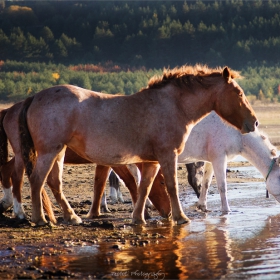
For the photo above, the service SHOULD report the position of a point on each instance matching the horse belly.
(105, 152)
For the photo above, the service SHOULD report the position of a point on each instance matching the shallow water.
(243, 244)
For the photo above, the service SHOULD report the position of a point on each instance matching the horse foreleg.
(169, 170)
(220, 169)
(129, 179)
(101, 175)
(54, 181)
(148, 174)
(159, 197)
(206, 182)
(6, 172)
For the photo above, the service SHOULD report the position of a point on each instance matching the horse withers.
(150, 126)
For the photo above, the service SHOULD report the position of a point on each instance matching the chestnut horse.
(11, 174)
(150, 126)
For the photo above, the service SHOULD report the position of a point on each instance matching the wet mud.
(240, 245)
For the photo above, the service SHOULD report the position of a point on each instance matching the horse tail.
(47, 205)
(27, 146)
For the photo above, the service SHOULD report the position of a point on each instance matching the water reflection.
(242, 244)
(177, 252)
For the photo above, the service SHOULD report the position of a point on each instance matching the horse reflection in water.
(188, 254)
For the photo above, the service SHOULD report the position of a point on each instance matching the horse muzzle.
(248, 127)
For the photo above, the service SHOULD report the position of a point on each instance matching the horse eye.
(240, 93)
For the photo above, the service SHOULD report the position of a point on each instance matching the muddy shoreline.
(24, 246)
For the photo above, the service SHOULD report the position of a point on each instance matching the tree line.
(150, 34)
(19, 80)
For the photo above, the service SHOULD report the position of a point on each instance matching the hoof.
(74, 220)
(183, 219)
(46, 225)
(202, 208)
(40, 223)
(91, 215)
(104, 209)
(138, 221)
(165, 215)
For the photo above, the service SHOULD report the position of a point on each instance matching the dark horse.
(150, 126)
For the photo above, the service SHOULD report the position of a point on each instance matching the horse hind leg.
(54, 180)
(206, 182)
(17, 181)
(101, 175)
(169, 170)
(6, 173)
(148, 173)
(114, 184)
(104, 205)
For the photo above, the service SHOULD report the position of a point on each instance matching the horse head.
(232, 104)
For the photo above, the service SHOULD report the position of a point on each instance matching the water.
(243, 244)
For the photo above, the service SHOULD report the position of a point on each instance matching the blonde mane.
(188, 75)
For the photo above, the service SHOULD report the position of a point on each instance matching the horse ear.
(226, 74)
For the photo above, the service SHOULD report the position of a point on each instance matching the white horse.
(217, 143)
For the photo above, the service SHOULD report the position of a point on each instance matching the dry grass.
(269, 118)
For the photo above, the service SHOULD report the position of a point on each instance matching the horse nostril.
(257, 123)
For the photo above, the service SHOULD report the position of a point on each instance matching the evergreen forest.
(116, 46)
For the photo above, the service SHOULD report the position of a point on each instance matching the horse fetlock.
(120, 198)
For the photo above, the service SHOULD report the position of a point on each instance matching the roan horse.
(150, 126)
(12, 172)
(217, 143)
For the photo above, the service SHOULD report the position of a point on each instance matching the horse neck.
(256, 152)
(200, 104)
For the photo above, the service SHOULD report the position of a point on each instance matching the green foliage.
(152, 34)
(21, 79)
(39, 39)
